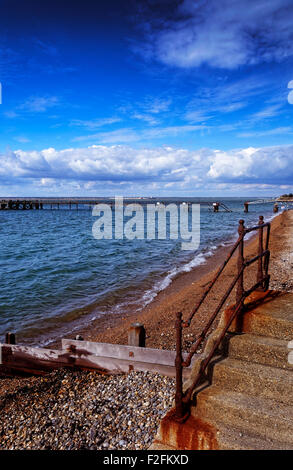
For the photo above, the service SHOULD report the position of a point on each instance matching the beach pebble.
(84, 410)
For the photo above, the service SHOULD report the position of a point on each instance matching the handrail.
(182, 400)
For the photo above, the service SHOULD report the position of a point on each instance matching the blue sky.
(146, 97)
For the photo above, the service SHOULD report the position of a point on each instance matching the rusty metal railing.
(182, 400)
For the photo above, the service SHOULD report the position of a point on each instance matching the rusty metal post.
(10, 338)
(267, 259)
(260, 250)
(136, 335)
(178, 366)
(79, 338)
(240, 282)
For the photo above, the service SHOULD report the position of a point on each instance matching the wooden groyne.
(86, 355)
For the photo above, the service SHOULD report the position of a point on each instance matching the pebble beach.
(84, 410)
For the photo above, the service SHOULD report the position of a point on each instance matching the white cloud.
(94, 123)
(39, 104)
(290, 95)
(10, 114)
(268, 165)
(223, 34)
(149, 118)
(22, 139)
(197, 116)
(129, 135)
(113, 166)
(274, 131)
(156, 105)
(121, 136)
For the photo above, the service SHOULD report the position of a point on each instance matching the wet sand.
(159, 316)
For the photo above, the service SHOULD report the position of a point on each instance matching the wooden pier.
(69, 203)
(272, 200)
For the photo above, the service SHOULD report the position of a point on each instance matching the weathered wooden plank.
(28, 358)
(101, 357)
(121, 351)
(11, 353)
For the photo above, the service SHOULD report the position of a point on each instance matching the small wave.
(161, 285)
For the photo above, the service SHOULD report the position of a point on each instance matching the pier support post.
(10, 338)
(216, 206)
(136, 335)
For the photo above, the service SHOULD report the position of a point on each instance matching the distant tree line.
(287, 195)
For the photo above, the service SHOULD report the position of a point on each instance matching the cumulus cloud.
(225, 34)
(165, 167)
(269, 165)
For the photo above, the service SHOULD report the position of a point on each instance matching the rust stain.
(260, 298)
(193, 434)
(254, 301)
(228, 312)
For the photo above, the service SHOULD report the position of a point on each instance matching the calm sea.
(54, 275)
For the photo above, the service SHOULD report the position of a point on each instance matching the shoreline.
(95, 328)
(158, 316)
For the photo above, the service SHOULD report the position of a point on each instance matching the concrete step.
(254, 379)
(260, 349)
(267, 419)
(273, 319)
(236, 439)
